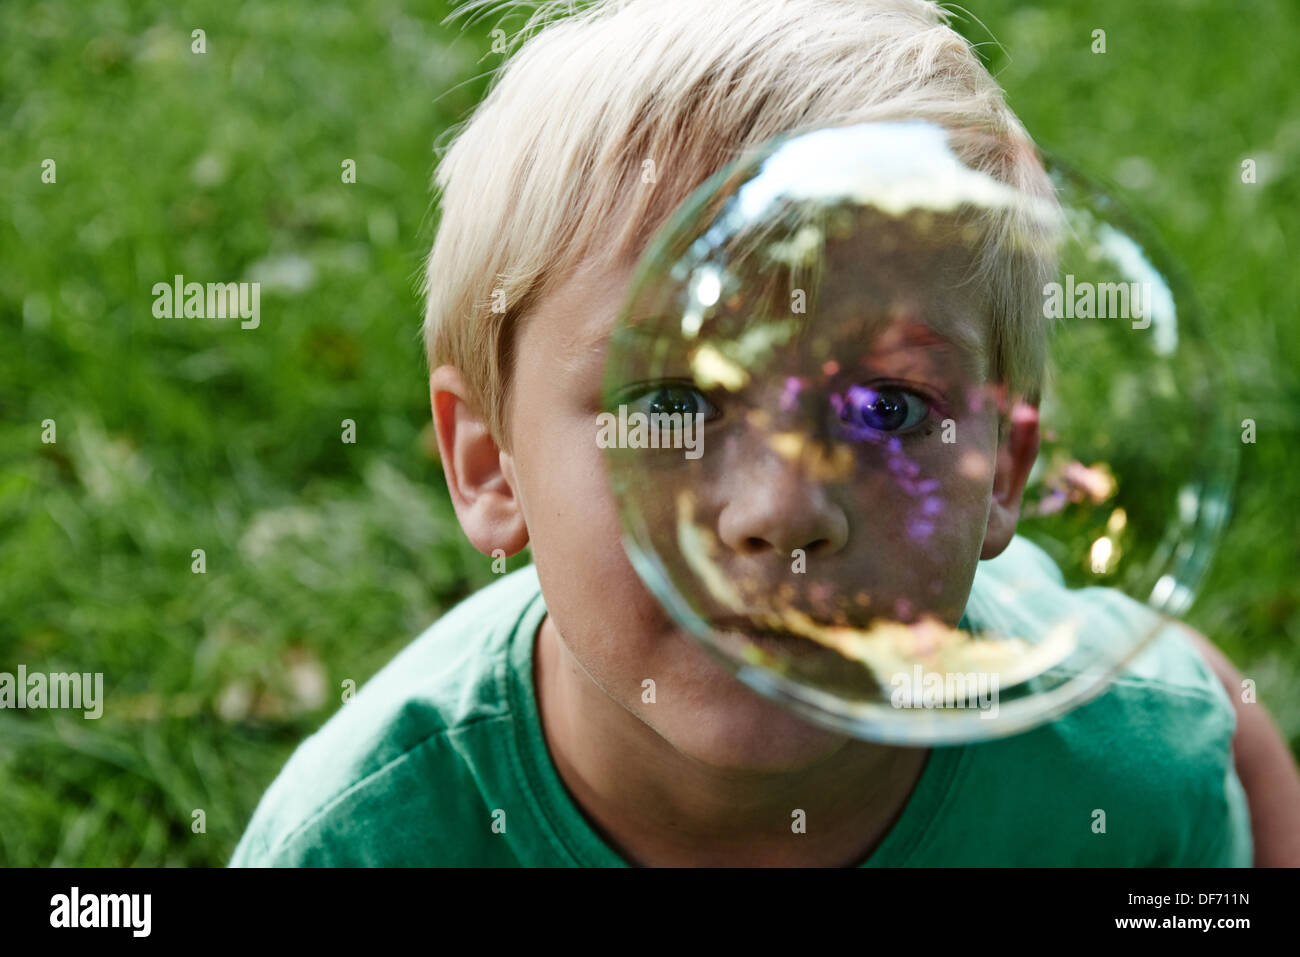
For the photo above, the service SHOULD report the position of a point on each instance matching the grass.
(324, 558)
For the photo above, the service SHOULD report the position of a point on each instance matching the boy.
(514, 731)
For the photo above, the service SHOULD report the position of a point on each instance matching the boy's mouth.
(856, 657)
(798, 655)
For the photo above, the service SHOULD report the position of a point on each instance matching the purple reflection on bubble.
(852, 408)
(1052, 503)
(861, 396)
(920, 529)
(790, 394)
(917, 487)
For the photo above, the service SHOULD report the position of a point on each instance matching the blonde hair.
(549, 166)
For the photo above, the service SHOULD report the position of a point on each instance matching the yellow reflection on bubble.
(812, 457)
(1104, 555)
(712, 368)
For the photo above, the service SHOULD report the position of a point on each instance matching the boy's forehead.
(921, 298)
(906, 290)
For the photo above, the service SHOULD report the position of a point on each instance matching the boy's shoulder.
(427, 718)
(1142, 775)
(1146, 765)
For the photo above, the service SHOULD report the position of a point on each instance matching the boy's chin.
(740, 732)
(723, 724)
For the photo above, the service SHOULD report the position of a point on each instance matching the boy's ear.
(1016, 453)
(480, 475)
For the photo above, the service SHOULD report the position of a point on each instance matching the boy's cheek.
(615, 629)
(592, 591)
(605, 615)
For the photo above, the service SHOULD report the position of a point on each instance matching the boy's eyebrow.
(591, 342)
(584, 348)
(918, 334)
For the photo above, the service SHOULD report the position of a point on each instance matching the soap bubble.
(839, 364)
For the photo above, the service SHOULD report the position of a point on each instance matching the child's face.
(757, 506)
(850, 445)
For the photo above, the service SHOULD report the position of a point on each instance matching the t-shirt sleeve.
(1229, 843)
(1202, 723)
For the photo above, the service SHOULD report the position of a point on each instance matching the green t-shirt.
(440, 760)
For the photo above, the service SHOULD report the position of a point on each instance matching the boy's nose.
(778, 509)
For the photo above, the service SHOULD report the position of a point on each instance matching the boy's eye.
(882, 409)
(670, 399)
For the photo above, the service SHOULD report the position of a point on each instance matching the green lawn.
(324, 558)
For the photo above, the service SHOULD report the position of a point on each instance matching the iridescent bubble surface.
(922, 455)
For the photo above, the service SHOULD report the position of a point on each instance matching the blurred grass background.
(323, 559)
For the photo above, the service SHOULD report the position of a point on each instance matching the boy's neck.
(658, 807)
